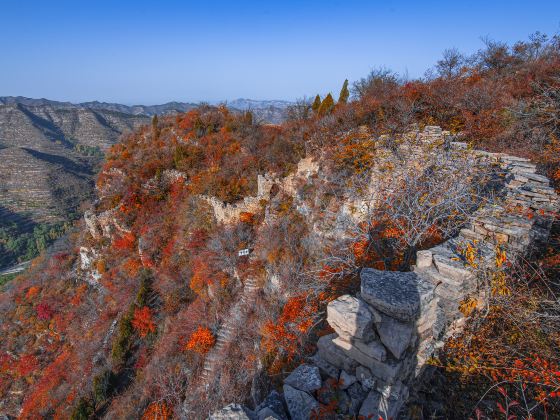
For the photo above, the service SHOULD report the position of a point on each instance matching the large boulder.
(351, 318)
(305, 378)
(394, 293)
(300, 404)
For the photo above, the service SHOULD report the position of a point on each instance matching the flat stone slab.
(333, 354)
(305, 378)
(394, 293)
(351, 318)
(361, 352)
(325, 367)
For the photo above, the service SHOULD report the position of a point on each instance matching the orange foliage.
(201, 341)
(201, 276)
(247, 217)
(132, 266)
(40, 397)
(286, 333)
(143, 321)
(32, 292)
(158, 411)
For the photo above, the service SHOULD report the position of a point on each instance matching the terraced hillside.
(49, 153)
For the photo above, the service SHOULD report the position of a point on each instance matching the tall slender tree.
(155, 127)
(344, 93)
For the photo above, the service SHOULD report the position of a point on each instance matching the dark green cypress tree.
(316, 103)
(155, 127)
(326, 106)
(344, 93)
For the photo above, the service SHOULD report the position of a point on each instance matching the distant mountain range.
(168, 108)
(50, 151)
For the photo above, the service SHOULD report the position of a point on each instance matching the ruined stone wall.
(386, 333)
(229, 213)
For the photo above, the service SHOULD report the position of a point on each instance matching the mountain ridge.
(241, 104)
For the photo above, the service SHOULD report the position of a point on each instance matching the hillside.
(394, 253)
(51, 151)
(50, 154)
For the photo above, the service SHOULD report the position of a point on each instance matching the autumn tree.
(316, 104)
(143, 321)
(451, 63)
(326, 106)
(201, 341)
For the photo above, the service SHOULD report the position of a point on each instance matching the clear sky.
(156, 51)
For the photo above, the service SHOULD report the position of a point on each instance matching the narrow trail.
(228, 330)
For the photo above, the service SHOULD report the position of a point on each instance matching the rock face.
(395, 335)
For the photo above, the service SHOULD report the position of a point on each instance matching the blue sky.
(156, 51)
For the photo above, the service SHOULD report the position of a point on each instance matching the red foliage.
(26, 365)
(143, 321)
(201, 341)
(44, 311)
(158, 411)
(197, 239)
(125, 242)
(40, 397)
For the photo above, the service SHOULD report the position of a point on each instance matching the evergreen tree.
(155, 127)
(344, 93)
(316, 103)
(326, 106)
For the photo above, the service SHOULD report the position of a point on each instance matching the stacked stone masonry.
(386, 333)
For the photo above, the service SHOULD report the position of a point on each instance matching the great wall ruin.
(385, 334)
